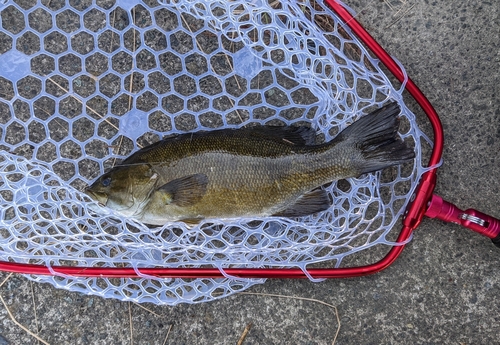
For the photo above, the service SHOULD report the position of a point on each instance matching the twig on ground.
(244, 334)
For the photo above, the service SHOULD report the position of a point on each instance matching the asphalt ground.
(441, 290)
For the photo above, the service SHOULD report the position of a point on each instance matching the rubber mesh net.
(85, 83)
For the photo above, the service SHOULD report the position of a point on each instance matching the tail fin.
(375, 135)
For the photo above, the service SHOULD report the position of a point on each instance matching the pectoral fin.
(185, 191)
(311, 202)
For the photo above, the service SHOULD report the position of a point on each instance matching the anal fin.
(311, 202)
(191, 222)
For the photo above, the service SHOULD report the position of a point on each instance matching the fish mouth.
(101, 198)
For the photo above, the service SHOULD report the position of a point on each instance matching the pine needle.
(34, 306)
(302, 299)
(401, 16)
(168, 332)
(130, 322)
(132, 75)
(20, 325)
(81, 102)
(149, 310)
(7, 278)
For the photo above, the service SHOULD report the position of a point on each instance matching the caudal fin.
(375, 135)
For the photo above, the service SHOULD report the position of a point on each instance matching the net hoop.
(35, 184)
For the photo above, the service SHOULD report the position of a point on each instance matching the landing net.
(85, 83)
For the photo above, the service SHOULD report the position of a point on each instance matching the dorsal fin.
(287, 135)
(297, 136)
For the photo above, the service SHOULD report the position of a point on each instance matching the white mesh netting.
(85, 83)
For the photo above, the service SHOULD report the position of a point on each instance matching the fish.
(253, 172)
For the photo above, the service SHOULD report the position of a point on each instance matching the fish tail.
(376, 140)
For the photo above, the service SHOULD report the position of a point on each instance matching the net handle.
(414, 214)
(472, 219)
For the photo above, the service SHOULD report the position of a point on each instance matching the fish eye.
(106, 181)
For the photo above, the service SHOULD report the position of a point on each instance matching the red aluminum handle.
(470, 218)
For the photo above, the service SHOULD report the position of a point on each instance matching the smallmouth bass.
(249, 172)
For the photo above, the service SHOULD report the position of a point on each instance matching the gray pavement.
(441, 290)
